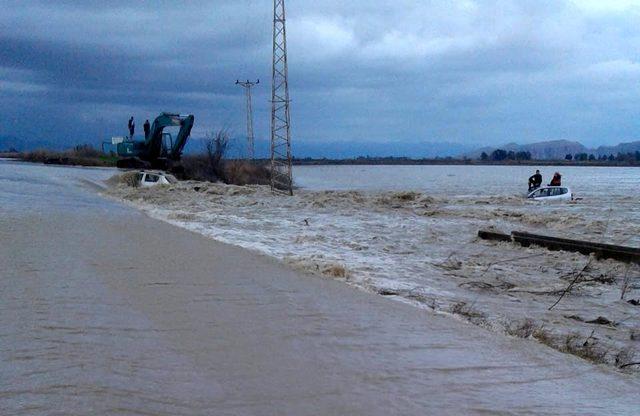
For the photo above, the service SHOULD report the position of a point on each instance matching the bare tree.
(217, 145)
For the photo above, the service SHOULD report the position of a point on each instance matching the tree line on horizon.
(620, 157)
(500, 155)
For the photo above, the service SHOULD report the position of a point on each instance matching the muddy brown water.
(106, 311)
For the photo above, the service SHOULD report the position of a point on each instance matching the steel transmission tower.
(247, 85)
(281, 177)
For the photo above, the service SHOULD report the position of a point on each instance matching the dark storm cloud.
(463, 71)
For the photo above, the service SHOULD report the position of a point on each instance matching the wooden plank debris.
(608, 251)
(491, 235)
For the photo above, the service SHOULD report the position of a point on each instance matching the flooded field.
(414, 240)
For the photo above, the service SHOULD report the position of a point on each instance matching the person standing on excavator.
(132, 128)
(147, 129)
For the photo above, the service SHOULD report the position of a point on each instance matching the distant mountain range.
(557, 149)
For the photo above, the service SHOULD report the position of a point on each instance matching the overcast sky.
(462, 71)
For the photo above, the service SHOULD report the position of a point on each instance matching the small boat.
(551, 193)
(147, 179)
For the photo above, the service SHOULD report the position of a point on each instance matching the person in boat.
(147, 129)
(535, 181)
(556, 180)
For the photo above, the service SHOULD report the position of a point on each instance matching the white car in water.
(551, 193)
(147, 179)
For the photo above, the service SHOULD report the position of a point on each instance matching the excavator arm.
(183, 136)
(153, 142)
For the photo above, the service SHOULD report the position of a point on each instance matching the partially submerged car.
(551, 193)
(147, 178)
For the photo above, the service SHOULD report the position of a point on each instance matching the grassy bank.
(203, 167)
(209, 167)
(82, 155)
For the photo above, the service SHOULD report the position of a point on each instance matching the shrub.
(84, 150)
(234, 172)
(240, 172)
(38, 155)
(213, 167)
(209, 165)
(198, 168)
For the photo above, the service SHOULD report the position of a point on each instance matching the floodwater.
(29, 189)
(106, 311)
(606, 194)
(587, 182)
(410, 232)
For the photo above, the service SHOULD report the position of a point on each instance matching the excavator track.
(133, 163)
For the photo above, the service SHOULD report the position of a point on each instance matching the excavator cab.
(167, 143)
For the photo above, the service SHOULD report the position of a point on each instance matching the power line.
(281, 175)
(247, 85)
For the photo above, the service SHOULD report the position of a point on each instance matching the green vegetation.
(80, 155)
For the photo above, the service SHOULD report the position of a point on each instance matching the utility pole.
(247, 85)
(281, 176)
